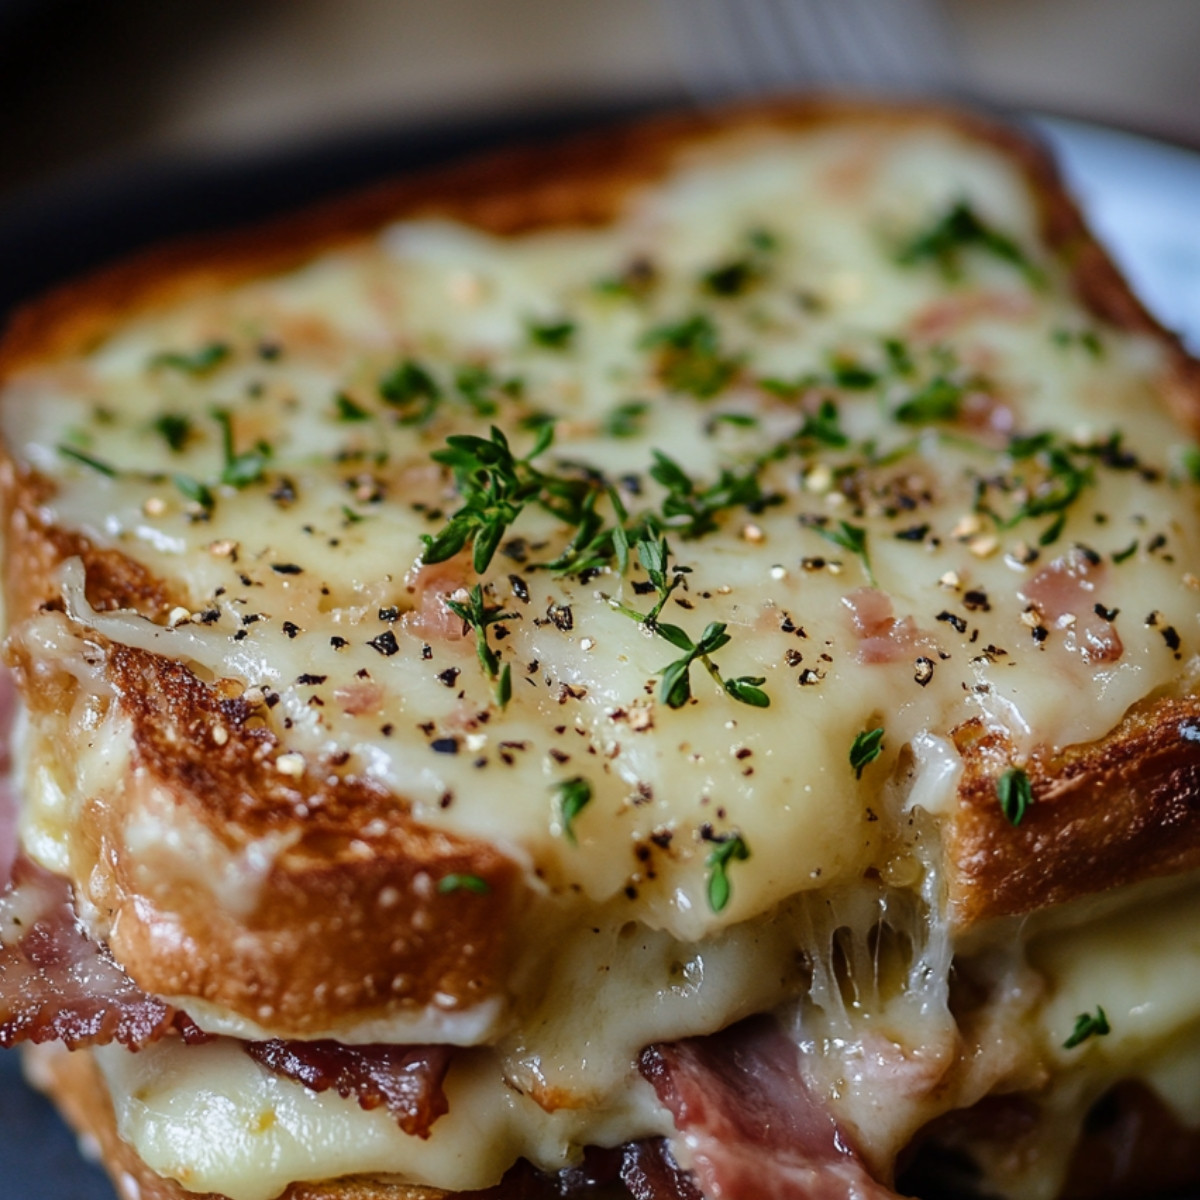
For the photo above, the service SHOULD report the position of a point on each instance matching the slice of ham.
(882, 637)
(1064, 596)
(751, 1123)
(407, 1080)
(56, 984)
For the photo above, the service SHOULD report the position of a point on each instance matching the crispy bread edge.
(581, 179)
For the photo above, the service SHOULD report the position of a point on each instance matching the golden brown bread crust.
(582, 180)
(348, 922)
(1113, 812)
(73, 1081)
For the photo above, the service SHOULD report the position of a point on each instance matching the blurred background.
(85, 82)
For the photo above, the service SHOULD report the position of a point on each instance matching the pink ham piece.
(882, 638)
(1066, 589)
(407, 1080)
(752, 1125)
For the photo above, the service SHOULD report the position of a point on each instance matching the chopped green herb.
(1088, 1025)
(939, 400)
(946, 240)
(1119, 556)
(495, 486)
(1086, 339)
(411, 388)
(174, 428)
(1015, 793)
(692, 511)
(725, 851)
(822, 428)
(743, 271)
(197, 362)
(626, 419)
(87, 460)
(239, 470)
(478, 615)
(478, 387)
(351, 516)
(574, 795)
(1189, 460)
(551, 335)
(1053, 531)
(195, 491)
(865, 749)
(690, 358)
(348, 410)
(463, 883)
(899, 357)
(849, 537)
(850, 374)
(737, 420)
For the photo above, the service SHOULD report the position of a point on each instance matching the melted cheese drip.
(298, 575)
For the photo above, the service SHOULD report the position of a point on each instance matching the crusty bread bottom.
(73, 1082)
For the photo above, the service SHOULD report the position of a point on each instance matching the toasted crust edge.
(581, 179)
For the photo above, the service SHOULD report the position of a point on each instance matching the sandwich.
(662, 664)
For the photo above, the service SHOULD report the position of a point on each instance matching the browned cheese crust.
(1121, 810)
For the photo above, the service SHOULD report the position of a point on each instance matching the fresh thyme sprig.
(495, 486)
(478, 615)
(690, 510)
(945, 241)
(690, 358)
(676, 687)
(848, 537)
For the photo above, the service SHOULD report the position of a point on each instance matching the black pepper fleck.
(385, 643)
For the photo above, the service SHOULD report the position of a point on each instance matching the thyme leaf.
(865, 749)
(574, 795)
(1088, 1025)
(1015, 794)
(732, 848)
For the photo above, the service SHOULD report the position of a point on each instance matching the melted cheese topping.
(916, 497)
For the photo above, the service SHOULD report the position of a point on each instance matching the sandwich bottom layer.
(74, 1082)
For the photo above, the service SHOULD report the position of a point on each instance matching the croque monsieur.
(665, 663)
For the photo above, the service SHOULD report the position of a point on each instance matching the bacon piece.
(56, 983)
(1064, 595)
(650, 1172)
(882, 638)
(750, 1120)
(406, 1079)
(431, 586)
